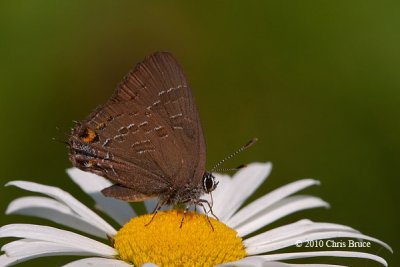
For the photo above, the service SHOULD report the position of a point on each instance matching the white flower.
(258, 250)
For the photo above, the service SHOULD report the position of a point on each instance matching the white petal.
(278, 210)
(17, 243)
(55, 211)
(150, 265)
(68, 200)
(346, 254)
(38, 249)
(92, 184)
(8, 261)
(268, 200)
(243, 184)
(98, 262)
(54, 235)
(294, 229)
(23, 248)
(271, 246)
(256, 261)
(253, 261)
(314, 265)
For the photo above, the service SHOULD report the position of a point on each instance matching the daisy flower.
(230, 242)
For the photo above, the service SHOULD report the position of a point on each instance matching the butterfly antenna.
(59, 140)
(247, 145)
(231, 169)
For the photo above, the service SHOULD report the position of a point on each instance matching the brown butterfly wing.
(159, 84)
(148, 136)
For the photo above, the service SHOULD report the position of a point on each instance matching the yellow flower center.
(164, 243)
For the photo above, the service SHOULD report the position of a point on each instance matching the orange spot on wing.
(88, 136)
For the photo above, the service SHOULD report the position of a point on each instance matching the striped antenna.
(247, 145)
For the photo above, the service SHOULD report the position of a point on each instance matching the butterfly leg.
(200, 203)
(205, 212)
(184, 214)
(160, 204)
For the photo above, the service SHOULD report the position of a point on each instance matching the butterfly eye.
(209, 183)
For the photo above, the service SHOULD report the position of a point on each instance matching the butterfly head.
(209, 182)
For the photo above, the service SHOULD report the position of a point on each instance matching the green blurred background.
(316, 81)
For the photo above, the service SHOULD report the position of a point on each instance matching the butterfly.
(147, 138)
